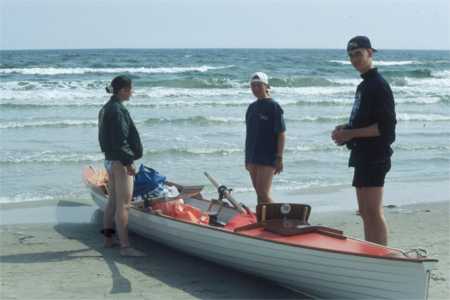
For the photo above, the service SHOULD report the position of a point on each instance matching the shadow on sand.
(200, 278)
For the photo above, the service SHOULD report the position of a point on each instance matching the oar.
(226, 193)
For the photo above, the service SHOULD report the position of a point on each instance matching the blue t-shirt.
(264, 121)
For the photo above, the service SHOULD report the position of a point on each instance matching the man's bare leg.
(264, 183)
(370, 200)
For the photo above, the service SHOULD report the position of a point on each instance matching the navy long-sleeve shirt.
(374, 103)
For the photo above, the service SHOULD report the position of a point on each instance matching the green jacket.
(117, 134)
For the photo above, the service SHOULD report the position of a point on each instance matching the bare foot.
(131, 252)
(110, 243)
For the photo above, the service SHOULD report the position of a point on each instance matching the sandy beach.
(52, 250)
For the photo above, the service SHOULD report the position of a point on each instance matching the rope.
(416, 253)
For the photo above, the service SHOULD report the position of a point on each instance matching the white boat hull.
(321, 274)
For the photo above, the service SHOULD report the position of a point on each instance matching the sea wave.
(194, 151)
(416, 73)
(64, 85)
(302, 82)
(382, 62)
(199, 120)
(303, 148)
(26, 197)
(152, 96)
(181, 83)
(419, 100)
(131, 70)
(192, 83)
(326, 100)
(76, 95)
(422, 117)
(442, 74)
(77, 157)
(50, 157)
(419, 147)
(57, 124)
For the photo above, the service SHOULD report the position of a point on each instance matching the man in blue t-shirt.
(265, 138)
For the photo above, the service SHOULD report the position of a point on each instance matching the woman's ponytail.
(117, 84)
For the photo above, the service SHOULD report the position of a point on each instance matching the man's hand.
(278, 165)
(131, 170)
(339, 127)
(341, 136)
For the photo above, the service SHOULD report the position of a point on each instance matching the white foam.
(62, 123)
(79, 93)
(381, 62)
(320, 118)
(79, 71)
(51, 157)
(314, 91)
(418, 100)
(422, 117)
(25, 197)
(442, 74)
(164, 92)
(419, 147)
(38, 86)
(196, 119)
(347, 81)
(427, 83)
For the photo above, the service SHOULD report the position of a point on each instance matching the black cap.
(359, 41)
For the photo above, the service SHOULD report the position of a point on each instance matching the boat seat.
(296, 227)
(295, 222)
(298, 211)
(292, 227)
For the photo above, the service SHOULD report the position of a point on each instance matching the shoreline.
(328, 199)
(342, 197)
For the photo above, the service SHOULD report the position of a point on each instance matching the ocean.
(189, 107)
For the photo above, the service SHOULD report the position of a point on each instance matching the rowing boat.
(318, 261)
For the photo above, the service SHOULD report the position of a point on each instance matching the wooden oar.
(226, 194)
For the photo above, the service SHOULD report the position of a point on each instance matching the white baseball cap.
(260, 77)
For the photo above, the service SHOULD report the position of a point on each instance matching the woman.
(120, 141)
(265, 137)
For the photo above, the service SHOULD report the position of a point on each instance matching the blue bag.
(147, 180)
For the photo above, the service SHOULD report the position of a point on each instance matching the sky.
(74, 24)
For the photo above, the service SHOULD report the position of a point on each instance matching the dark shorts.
(263, 161)
(371, 175)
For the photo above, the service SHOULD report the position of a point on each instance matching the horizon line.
(211, 48)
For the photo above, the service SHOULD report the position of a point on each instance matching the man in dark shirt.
(369, 135)
(265, 136)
